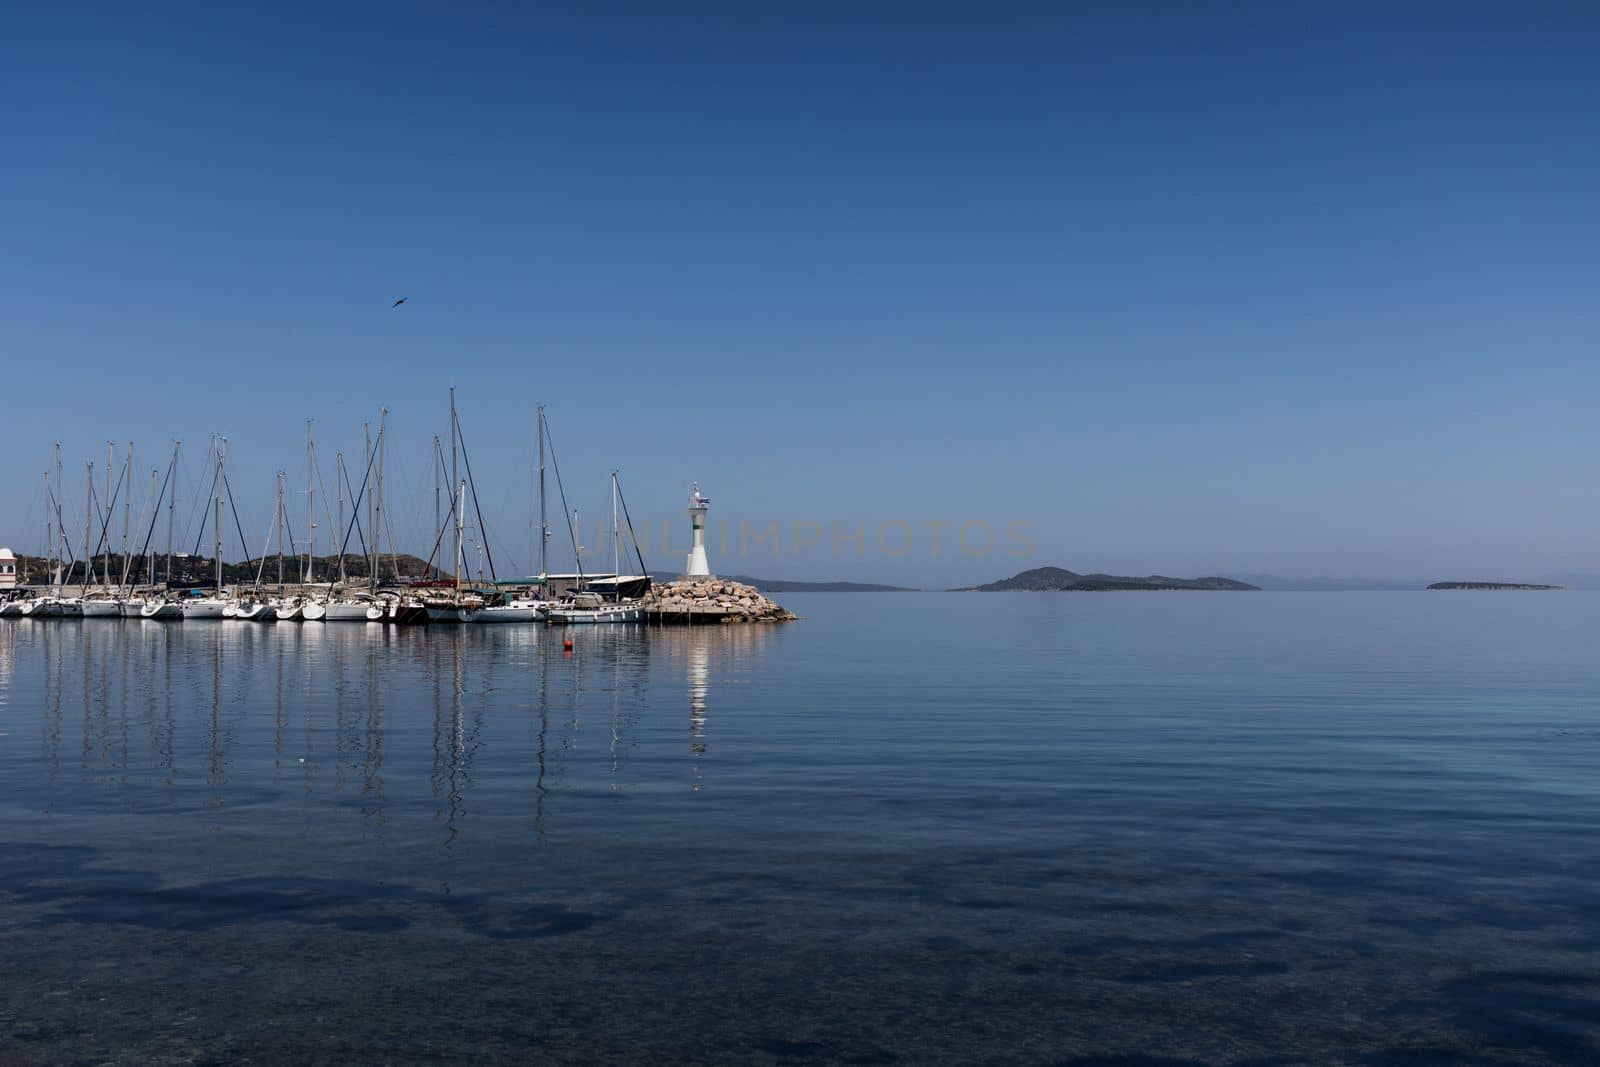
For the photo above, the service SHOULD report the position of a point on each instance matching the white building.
(8, 569)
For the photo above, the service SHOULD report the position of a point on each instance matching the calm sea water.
(1129, 828)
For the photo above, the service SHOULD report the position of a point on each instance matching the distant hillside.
(1489, 585)
(1055, 579)
(784, 585)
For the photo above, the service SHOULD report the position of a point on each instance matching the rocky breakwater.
(713, 600)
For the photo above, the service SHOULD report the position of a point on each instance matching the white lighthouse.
(698, 567)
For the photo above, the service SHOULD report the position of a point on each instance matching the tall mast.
(461, 504)
(338, 460)
(438, 473)
(49, 531)
(372, 572)
(281, 524)
(382, 445)
(616, 540)
(105, 561)
(61, 530)
(454, 477)
(127, 503)
(172, 506)
(88, 510)
(311, 506)
(216, 466)
(544, 526)
(149, 557)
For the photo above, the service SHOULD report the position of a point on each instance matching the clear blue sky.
(1189, 288)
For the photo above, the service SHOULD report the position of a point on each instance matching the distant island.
(1058, 580)
(1489, 585)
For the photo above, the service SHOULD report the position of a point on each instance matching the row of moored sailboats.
(573, 599)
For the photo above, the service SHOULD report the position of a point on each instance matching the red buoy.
(567, 644)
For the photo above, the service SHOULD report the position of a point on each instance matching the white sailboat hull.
(101, 609)
(351, 611)
(204, 609)
(162, 611)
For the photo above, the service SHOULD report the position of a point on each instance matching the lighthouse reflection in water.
(455, 743)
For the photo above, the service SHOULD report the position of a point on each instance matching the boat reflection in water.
(429, 738)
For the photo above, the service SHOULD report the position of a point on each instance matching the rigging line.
(631, 535)
(394, 557)
(127, 553)
(205, 514)
(333, 579)
(72, 560)
(357, 510)
(104, 526)
(155, 513)
(316, 464)
(449, 515)
(127, 556)
(571, 533)
(236, 524)
(483, 534)
(265, 544)
(199, 506)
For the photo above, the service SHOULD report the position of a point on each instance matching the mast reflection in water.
(1068, 829)
(412, 737)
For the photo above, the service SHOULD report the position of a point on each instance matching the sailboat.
(457, 609)
(101, 605)
(156, 608)
(589, 608)
(512, 609)
(214, 606)
(521, 607)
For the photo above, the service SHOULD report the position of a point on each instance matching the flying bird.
(397, 303)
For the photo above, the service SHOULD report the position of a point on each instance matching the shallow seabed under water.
(910, 828)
